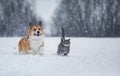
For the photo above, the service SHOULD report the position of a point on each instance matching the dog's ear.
(40, 23)
(30, 24)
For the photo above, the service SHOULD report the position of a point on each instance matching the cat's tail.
(63, 33)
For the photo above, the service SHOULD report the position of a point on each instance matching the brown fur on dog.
(24, 45)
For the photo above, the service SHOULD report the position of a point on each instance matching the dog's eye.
(39, 29)
(34, 29)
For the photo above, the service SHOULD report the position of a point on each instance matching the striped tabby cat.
(64, 46)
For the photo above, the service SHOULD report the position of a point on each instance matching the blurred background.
(80, 18)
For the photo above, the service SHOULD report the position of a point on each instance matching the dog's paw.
(40, 53)
(33, 52)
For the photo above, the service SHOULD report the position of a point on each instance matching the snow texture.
(87, 57)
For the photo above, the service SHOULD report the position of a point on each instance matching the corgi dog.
(34, 41)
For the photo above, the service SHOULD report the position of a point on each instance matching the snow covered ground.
(88, 57)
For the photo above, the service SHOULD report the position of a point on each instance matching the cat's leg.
(66, 53)
(58, 52)
(63, 51)
(68, 50)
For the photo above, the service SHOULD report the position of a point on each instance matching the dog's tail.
(63, 33)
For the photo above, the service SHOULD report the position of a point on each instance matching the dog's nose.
(38, 32)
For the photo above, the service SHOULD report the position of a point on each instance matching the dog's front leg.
(41, 50)
(34, 52)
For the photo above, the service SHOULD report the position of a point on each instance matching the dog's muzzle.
(37, 34)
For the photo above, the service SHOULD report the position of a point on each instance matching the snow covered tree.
(90, 18)
(15, 16)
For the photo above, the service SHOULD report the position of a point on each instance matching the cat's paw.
(58, 52)
(65, 54)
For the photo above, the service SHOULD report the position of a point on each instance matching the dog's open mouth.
(36, 34)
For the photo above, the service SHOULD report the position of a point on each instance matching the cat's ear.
(69, 39)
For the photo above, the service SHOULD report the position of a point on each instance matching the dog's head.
(35, 30)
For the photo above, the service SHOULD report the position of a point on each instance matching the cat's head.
(66, 42)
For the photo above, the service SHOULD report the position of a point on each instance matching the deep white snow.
(88, 57)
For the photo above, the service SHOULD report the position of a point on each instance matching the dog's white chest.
(36, 43)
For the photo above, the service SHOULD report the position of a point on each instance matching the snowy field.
(87, 57)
